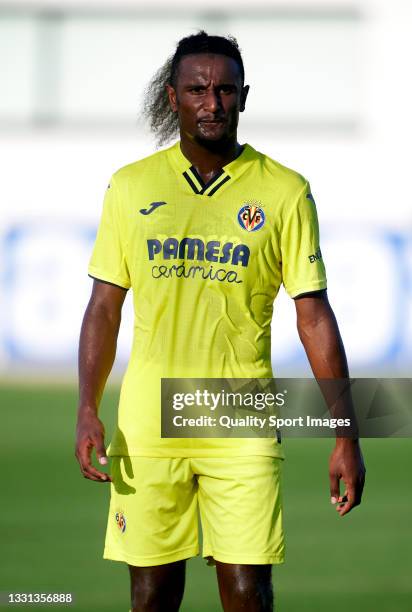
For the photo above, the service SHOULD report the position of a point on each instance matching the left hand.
(346, 463)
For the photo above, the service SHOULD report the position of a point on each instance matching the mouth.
(212, 122)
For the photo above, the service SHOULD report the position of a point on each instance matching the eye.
(197, 89)
(227, 89)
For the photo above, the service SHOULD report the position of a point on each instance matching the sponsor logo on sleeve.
(315, 256)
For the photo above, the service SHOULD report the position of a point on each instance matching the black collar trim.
(212, 191)
(204, 186)
(191, 183)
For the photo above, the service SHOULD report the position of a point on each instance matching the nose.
(212, 101)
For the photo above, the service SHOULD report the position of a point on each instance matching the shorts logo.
(121, 521)
(251, 217)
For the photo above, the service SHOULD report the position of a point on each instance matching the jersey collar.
(228, 173)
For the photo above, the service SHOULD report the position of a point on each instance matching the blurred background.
(330, 97)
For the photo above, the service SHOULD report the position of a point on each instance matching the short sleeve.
(108, 260)
(303, 269)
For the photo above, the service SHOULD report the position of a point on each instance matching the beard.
(218, 145)
(221, 140)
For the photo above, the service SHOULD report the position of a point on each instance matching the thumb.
(101, 451)
(334, 488)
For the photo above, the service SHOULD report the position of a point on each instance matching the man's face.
(208, 97)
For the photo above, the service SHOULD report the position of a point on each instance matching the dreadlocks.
(162, 120)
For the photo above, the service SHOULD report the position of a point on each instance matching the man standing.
(204, 232)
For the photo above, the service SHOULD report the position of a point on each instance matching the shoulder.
(278, 176)
(140, 169)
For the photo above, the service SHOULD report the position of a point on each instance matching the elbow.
(104, 315)
(308, 325)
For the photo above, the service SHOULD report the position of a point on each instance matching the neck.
(209, 157)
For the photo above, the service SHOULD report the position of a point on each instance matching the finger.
(91, 473)
(84, 458)
(343, 498)
(84, 471)
(91, 476)
(346, 506)
(100, 450)
(357, 488)
(334, 488)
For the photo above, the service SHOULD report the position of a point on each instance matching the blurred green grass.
(53, 521)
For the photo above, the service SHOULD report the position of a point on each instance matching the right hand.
(89, 435)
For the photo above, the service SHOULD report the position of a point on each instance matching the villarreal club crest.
(251, 216)
(121, 521)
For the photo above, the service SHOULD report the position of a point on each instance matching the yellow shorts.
(153, 515)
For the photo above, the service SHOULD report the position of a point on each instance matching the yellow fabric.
(203, 285)
(153, 514)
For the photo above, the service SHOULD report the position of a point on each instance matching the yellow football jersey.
(205, 262)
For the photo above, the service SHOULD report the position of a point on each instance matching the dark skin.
(208, 98)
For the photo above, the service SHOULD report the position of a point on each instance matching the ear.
(243, 96)
(171, 92)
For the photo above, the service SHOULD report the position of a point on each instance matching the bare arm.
(319, 333)
(97, 350)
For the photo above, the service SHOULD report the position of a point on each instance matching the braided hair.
(163, 122)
